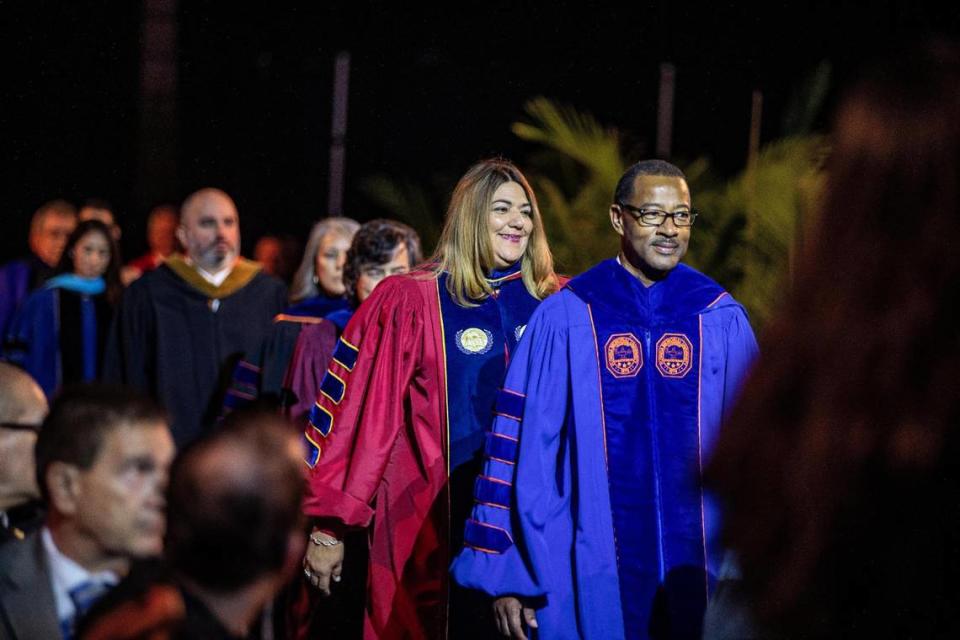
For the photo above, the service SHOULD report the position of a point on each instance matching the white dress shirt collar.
(66, 574)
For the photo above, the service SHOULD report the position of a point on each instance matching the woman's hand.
(323, 561)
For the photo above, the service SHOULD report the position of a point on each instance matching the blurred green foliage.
(749, 227)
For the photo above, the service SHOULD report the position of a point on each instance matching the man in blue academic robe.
(589, 519)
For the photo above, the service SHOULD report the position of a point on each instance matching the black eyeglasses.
(656, 217)
(20, 426)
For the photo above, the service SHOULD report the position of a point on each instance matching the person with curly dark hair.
(296, 353)
(839, 469)
(379, 249)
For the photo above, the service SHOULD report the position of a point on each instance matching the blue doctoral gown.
(589, 502)
(34, 341)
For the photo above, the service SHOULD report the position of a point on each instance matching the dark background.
(431, 91)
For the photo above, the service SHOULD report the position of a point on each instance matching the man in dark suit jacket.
(102, 458)
(217, 573)
(27, 607)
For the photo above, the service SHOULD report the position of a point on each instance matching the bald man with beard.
(182, 328)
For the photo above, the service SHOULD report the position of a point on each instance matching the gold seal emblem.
(674, 355)
(624, 355)
(474, 341)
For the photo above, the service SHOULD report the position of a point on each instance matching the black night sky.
(431, 89)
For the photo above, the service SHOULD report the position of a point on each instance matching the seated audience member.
(60, 332)
(22, 409)
(232, 540)
(102, 457)
(840, 468)
(50, 227)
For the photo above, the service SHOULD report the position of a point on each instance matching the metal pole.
(157, 156)
(338, 134)
(756, 114)
(753, 148)
(665, 110)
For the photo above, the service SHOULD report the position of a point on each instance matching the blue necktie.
(83, 596)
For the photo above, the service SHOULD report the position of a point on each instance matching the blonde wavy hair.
(464, 250)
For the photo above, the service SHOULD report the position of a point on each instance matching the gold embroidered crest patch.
(624, 355)
(674, 355)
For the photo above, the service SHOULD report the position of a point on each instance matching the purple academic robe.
(589, 502)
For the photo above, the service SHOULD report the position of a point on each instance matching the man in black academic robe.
(181, 328)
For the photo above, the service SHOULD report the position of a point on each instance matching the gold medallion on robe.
(474, 341)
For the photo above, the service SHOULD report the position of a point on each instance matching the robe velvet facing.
(267, 375)
(383, 447)
(307, 365)
(589, 501)
(58, 335)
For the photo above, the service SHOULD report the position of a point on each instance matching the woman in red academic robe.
(399, 428)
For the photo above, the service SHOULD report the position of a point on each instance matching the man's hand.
(507, 612)
(322, 564)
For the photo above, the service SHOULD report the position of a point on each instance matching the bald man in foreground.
(181, 328)
(22, 408)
